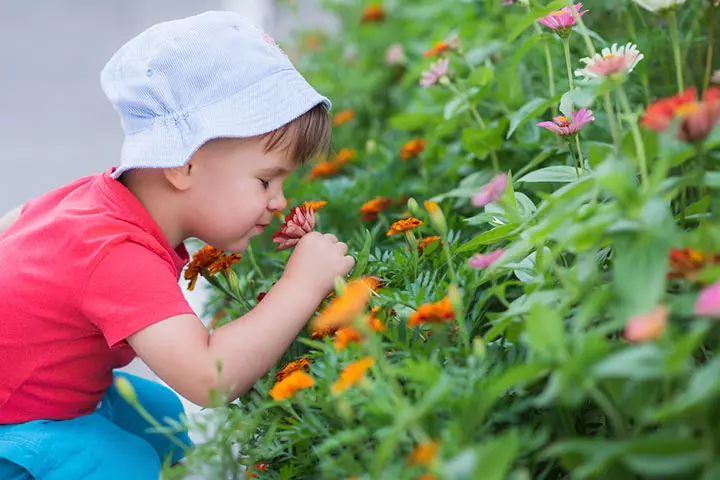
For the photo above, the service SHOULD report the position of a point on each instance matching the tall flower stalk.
(672, 17)
(637, 138)
(711, 41)
(568, 62)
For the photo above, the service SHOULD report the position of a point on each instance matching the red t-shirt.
(84, 267)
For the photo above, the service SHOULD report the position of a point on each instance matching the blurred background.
(55, 123)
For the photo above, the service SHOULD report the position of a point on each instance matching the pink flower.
(648, 326)
(485, 261)
(437, 70)
(298, 222)
(564, 127)
(612, 60)
(395, 55)
(561, 21)
(491, 191)
(708, 303)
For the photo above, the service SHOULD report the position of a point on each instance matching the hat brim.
(256, 110)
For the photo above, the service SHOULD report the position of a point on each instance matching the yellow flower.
(343, 309)
(286, 388)
(404, 225)
(352, 374)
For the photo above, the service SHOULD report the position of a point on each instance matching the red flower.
(299, 222)
(697, 118)
(373, 13)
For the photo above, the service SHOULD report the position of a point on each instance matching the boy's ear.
(180, 177)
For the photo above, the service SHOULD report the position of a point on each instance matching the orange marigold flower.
(687, 262)
(351, 375)
(343, 117)
(202, 259)
(427, 476)
(371, 208)
(425, 242)
(320, 334)
(324, 169)
(224, 263)
(437, 49)
(260, 467)
(413, 148)
(374, 283)
(314, 204)
(373, 13)
(437, 312)
(376, 325)
(217, 317)
(424, 453)
(286, 388)
(302, 364)
(343, 309)
(404, 225)
(346, 336)
(345, 155)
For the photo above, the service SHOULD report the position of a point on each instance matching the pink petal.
(708, 303)
(485, 261)
(648, 326)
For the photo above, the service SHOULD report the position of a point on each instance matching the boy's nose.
(278, 203)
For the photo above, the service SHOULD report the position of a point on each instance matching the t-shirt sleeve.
(129, 289)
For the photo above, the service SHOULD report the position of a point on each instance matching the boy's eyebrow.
(274, 171)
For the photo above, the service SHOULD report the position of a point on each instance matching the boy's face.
(236, 187)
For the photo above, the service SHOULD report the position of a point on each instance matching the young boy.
(216, 118)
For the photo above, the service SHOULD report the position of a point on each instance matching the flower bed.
(531, 192)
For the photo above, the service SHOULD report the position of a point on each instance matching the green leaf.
(454, 107)
(495, 457)
(481, 140)
(577, 97)
(641, 362)
(481, 77)
(546, 332)
(491, 236)
(531, 109)
(556, 173)
(363, 256)
(410, 121)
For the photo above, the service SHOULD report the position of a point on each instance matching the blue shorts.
(114, 442)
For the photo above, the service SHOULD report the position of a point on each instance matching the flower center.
(609, 55)
(563, 121)
(686, 109)
(557, 13)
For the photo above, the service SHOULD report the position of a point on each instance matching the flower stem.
(609, 409)
(448, 259)
(711, 40)
(637, 138)
(575, 162)
(611, 119)
(151, 420)
(253, 262)
(583, 29)
(581, 161)
(548, 63)
(672, 17)
(568, 62)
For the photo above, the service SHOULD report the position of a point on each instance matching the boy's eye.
(265, 183)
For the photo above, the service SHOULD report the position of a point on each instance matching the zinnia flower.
(646, 327)
(286, 388)
(658, 5)
(485, 261)
(373, 13)
(302, 364)
(491, 191)
(424, 453)
(352, 374)
(437, 70)
(611, 60)
(404, 225)
(343, 309)
(413, 148)
(697, 118)
(561, 21)
(260, 467)
(437, 312)
(395, 55)
(314, 205)
(687, 262)
(566, 128)
(299, 222)
(371, 208)
(343, 117)
(708, 303)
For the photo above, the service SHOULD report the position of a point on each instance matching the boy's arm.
(9, 218)
(184, 354)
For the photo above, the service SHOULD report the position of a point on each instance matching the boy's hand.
(316, 261)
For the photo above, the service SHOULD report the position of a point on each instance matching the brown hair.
(305, 137)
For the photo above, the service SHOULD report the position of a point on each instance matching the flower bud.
(437, 219)
(126, 390)
(414, 208)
